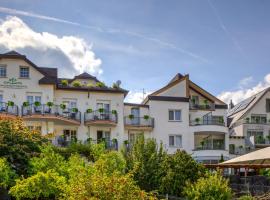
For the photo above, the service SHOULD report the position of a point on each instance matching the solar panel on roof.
(241, 106)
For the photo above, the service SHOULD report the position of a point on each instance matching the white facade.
(181, 115)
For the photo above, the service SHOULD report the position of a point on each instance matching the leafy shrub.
(115, 86)
(64, 82)
(18, 144)
(176, 170)
(77, 84)
(100, 84)
(7, 175)
(246, 197)
(211, 187)
(90, 85)
(110, 163)
(48, 160)
(41, 185)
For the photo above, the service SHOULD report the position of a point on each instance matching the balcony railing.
(216, 120)
(100, 116)
(139, 121)
(211, 147)
(196, 106)
(245, 121)
(56, 110)
(8, 109)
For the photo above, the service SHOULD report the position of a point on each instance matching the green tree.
(18, 144)
(45, 185)
(211, 187)
(176, 170)
(144, 161)
(48, 160)
(110, 162)
(7, 175)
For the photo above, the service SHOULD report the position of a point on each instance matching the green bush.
(64, 82)
(7, 175)
(211, 187)
(100, 84)
(18, 144)
(41, 185)
(76, 84)
(110, 163)
(246, 197)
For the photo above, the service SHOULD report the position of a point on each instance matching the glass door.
(136, 114)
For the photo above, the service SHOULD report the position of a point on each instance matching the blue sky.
(223, 45)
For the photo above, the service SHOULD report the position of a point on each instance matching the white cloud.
(136, 96)
(15, 34)
(245, 81)
(241, 94)
(106, 30)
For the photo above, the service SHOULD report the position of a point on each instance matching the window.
(195, 99)
(32, 99)
(3, 71)
(105, 106)
(175, 140)
(174, 115)
(24, 72)
(258, 119)
(267, 105)
(70, 135)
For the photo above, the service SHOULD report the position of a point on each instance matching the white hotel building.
(181, 115)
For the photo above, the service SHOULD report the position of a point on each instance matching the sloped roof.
(191, 85)
(261, 156)
(240, 109)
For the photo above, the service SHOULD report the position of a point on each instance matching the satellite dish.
(118, 83)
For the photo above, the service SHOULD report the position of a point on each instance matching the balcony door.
(105, 115)
(2, 105)
(136, 113)
(104, 135)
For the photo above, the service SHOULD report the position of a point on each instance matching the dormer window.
(24, 72)
(3, 71)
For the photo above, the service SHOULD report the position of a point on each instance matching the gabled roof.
(240, 109)
(86, 76)
(190, 85)
(50, 74)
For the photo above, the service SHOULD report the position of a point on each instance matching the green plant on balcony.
(25, 104)
(101, 110)
(49, 104)
(146, 117)
(114, 140)
(90, 85)
(10, 103)
(64, 82)
(268, 137)
(74, 110)
(100, 84)
(202, 143)
(37, 103)
(197, 120)
(89, 140)
(131, 116)
(76, 84)
(89, 110)
(193, 100)
(259, 139)
(63, 106)
(126, 142)
(221, 158)
(115, 86)
(221, 120)
(205, 101)
(247, 120)
(114, 112)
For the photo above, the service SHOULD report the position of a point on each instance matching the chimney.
(231, 105)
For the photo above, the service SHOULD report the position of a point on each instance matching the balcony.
(52, 112)
(198, 106)
(100, 118)
(8, 109)
(139, 123)
(209, 141)
(213, 120)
